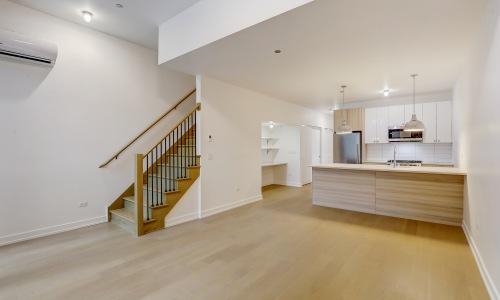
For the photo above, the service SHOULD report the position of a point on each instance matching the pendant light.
(343, 128)
(414, 124)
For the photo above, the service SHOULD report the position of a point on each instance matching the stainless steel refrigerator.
(347, 148)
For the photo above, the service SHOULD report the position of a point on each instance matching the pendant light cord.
(343, 101)
(414, 75)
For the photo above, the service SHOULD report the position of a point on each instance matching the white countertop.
(387, 168)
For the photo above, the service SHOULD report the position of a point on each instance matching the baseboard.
(490, 286)
(222, 208)
(295, 184)
(182, 219)
(28, 235)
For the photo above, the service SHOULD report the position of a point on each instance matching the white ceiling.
(137, 21)
(367, 45)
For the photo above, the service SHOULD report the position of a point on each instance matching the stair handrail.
(198, 107)
(145, 130)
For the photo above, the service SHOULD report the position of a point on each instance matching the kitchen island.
(433, 194)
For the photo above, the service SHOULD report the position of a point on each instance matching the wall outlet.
(83, 204)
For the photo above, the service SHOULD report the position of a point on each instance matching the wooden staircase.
(160, 183)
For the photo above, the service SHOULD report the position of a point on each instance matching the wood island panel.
(421, 193)
(427, 197)
(344, 189)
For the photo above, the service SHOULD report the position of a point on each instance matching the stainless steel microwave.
(397, 134)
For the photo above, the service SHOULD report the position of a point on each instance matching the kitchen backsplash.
(427, 153)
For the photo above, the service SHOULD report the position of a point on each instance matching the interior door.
(327, 146)
(316, 146)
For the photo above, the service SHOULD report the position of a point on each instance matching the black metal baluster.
(188, 144)
(195, 140)
(171, 161)
(177, 144)
(164, 170)
(158, 180)
(151, 176)
(182, 149)
(188, 150)
(147, 187)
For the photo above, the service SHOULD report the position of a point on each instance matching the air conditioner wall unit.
(28, 49)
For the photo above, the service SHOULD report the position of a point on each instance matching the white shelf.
(269, 149)
(267, 139)
(272, 164)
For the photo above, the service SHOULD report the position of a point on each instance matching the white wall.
(289, 151)
(58, 125)
(233, 116)
(210, 20)
(476, 122)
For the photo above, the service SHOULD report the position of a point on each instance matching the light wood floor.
(279, 248)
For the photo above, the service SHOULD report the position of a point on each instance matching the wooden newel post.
(138, 187)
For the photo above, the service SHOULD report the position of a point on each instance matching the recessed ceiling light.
(277, 51)
(118, 5)
(87, 16)
(386, 93)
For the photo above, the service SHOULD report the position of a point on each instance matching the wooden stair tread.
(149, 221)
(132, 199)
(129, 198)
(163, 177)
(126, 214)
(173, 192)
(159, 206)
(129, 216)
(167, 165)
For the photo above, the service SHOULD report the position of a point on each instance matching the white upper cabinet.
(409, 111)
(376, 125)
(370, 125)
(437, 120)
(443, 128)
(383, 124)
(429, 120)
(436, 117)
(396, 115)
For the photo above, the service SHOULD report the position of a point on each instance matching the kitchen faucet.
(394, 160)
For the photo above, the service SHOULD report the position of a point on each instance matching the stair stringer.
(159, 213)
